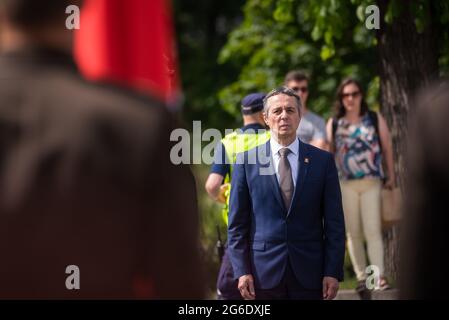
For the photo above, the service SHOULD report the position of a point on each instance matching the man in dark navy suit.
(286, 227)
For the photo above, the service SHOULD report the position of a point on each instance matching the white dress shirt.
(292, 157)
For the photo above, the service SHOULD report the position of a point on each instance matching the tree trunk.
(408, 61)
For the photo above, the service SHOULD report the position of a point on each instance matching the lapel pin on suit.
(306, 160)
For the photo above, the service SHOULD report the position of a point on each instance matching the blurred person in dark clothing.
(425, 240)
(86, 177)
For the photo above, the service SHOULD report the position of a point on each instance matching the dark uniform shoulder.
(109, 102)
(114, 129)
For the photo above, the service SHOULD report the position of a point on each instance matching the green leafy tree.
(279, 35)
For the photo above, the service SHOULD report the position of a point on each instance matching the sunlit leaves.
(327, 38)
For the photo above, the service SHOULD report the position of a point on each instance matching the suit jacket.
(263, 235)
(86, 180)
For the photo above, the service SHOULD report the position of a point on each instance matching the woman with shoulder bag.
(360, 139)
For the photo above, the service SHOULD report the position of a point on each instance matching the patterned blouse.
(358, 153)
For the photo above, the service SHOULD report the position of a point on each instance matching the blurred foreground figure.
(86, 178)
(425, 241)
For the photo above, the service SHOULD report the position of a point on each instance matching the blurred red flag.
(130, 42)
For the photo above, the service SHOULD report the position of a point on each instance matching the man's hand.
(222, 193)
(246, 287)
(330, 288)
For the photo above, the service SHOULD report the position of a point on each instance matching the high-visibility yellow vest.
(235, 143)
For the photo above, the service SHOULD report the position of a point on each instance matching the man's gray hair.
(281, 90)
